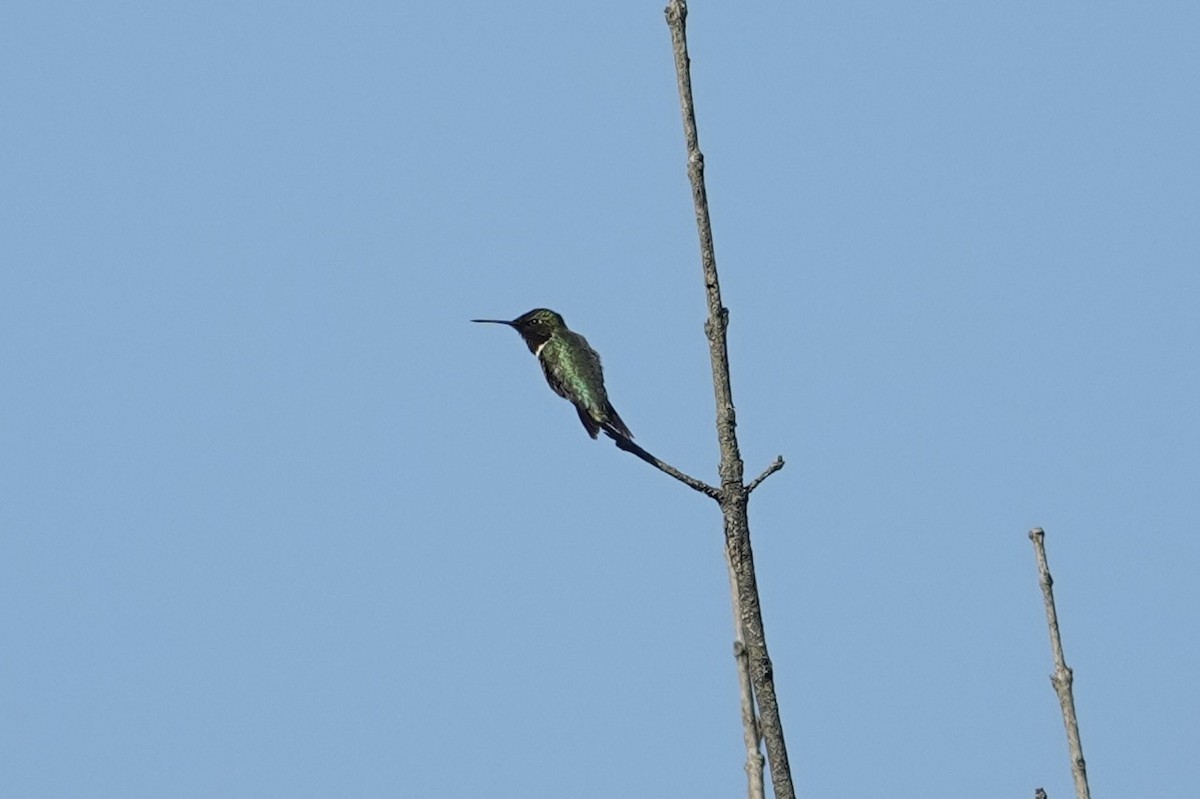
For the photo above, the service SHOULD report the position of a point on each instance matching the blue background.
(276, 520)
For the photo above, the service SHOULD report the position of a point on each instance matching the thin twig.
(751, 731)
(775, 466)
(1063, 678)
(665, 468)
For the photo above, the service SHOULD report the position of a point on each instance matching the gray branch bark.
(751, 643)
(1063, 678)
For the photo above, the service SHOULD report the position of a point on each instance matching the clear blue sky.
(277, 520)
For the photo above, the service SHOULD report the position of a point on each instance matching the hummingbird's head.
(539, 321)
(536, 326)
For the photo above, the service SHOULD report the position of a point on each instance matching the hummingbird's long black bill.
(494, 321)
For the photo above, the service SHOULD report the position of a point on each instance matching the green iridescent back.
(573, 370)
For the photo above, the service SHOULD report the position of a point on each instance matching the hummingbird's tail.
(611, 424)
(614, 425)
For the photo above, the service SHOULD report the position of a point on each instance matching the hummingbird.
(572, 369)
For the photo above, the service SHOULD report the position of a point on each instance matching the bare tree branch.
(734, 494)
(751, 730)
(665, 468)
(1063, 678)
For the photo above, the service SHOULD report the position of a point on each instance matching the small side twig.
(775, 466)
(1063, 677)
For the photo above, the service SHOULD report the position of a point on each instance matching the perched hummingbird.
(572, 368)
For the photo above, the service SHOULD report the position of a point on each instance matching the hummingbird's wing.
(564, 380)
(573, 370)
(589, 424)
